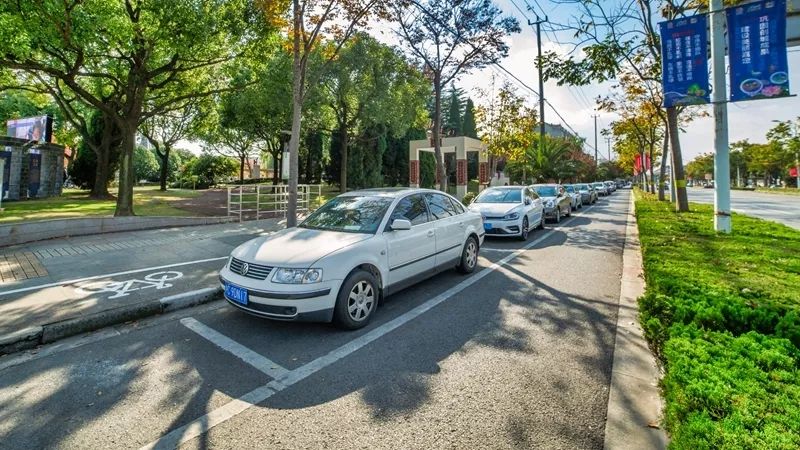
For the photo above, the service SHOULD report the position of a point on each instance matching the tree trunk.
(682, 203)
(344, 141)
(663, 169)
(275, 168)
(241, 169)
(126, 172)
(101, 175)
(164, 168)
(437, 125)
(652, 172)
(297, 105)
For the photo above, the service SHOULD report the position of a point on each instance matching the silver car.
(588, 193)
(557, 203)
(509, 211)
(601, 188)
(575, 195)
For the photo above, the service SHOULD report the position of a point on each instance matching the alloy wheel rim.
(472, 254)
(361, 301)
(525, 228)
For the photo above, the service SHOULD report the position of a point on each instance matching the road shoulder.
(634, 402)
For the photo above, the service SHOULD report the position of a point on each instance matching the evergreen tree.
(468, 128)
(453, 121)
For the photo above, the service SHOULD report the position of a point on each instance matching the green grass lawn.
(148, 201)
(722, 313)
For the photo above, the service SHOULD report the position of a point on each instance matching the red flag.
(793, 172)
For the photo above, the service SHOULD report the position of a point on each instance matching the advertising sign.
(757, 43)
(684, 53)
(39, 129)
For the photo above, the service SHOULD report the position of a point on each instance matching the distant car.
(709, 185)
(601, 188)
(557, 203)
(588, 194)
(575, 195)
(509, 211)
(351, 252)
(628, 185)
(611, 186)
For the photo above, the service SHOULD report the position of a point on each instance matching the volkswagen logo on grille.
(245, 268)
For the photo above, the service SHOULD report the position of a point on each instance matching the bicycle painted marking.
(157, 280)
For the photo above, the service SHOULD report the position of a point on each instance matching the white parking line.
(108, 275)
(261, 363)
(233, 408)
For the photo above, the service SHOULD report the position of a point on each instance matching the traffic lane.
(123, 391)
(779, 208)
(522, 358)
(49, 304)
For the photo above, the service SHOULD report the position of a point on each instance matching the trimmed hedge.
(722, 314)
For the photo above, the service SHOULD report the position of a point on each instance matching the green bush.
(469, 198)
(722, 315)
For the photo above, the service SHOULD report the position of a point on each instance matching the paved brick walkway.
(20, 266)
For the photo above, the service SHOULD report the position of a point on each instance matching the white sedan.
(351, 252)
(509, 210)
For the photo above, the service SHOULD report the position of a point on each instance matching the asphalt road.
(779, 208)
(515, 355)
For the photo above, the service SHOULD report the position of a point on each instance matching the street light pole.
(722, 184)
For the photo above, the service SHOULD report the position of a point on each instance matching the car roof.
(392, 192)
(546, 184)
(505, 187)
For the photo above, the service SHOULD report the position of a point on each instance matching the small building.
(460, 146)
(31, 169)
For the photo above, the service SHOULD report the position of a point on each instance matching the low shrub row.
(722, 314)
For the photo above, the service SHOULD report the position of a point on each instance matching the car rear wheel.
(523, 234)
(569, 212)
(357, 300)
(469, 256)
(558, 215)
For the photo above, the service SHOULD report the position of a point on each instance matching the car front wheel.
(357, 300)
(523, 234)
(469, 256)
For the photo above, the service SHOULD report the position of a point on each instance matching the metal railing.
(262, 201)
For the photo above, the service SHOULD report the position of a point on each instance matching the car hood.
(547, 199)
(493, 209)
(295, 247)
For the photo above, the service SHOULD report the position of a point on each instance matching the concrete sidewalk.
(68, 286)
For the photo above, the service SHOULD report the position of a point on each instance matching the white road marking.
(157, 280)
(233, 408)
(502, 250)
(261, 363)
(108, 275)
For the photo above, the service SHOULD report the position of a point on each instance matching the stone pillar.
(413, 163)
(59, 187)
(461, 171)
(483, 166)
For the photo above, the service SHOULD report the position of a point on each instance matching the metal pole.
(538, 24)
(595, 139)
(722, 182)
(608, 142)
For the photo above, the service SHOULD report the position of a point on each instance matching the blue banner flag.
(757, 43)
(684, 61)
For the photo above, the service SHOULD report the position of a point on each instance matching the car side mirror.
(400, 225)
(527, 202)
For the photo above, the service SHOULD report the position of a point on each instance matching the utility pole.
(595, 139)
(722, 185)
(538, 24)
(608, 144)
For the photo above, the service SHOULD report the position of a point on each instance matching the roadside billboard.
(39, 128)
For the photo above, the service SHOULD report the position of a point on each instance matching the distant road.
(780, 208)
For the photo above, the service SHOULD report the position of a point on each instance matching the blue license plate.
(236, 294)
(487, 226)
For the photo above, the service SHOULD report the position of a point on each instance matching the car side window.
(457, 206)
(440, 206)
(532, 194)
(411, 208)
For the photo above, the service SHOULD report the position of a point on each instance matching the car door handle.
(461, 224)
(431, 233)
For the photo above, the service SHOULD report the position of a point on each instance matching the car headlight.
(296, 276)
(512, 216)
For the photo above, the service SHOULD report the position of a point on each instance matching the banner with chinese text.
(757, 43)
(684, 61)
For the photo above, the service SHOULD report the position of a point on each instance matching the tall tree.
(615, 36)
(164, 131)
(454, 121)
(468, 127)
(311, 20)
(131, 59)
(372, 85)
(450, 38)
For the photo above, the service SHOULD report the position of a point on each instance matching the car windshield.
(570, 189)
(351, 214)
(500, 196)
(598, 185)
(546, 191)
(584, 187)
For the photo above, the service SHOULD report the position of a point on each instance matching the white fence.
(262, 201)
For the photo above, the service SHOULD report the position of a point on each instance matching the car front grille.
(254, 271)
(493, 218)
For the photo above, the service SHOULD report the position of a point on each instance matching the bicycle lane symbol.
(157, 280)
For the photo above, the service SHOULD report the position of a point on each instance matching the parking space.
(517, 354)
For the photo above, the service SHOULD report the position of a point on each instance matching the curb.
(634, 401)
(34, 336)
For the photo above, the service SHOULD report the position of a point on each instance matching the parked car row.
(361, 246)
